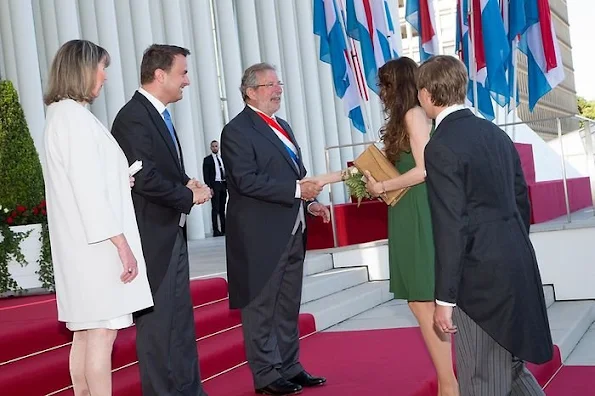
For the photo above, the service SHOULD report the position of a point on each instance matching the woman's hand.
(128, 263)
(374, 188)
(131, 181)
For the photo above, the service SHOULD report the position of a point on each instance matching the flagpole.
(514, 49)
(472, 56)
(355, 68)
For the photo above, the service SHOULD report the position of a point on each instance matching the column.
(68, 21)
(208, 87)
(108, 38)
(157, 23)
(269, 38)
(27, 62)
(376, 116)
(231, 60)
(206, 67)
(248, 32)
(129, 63)
(40, 38)
(294, 90)
(89, 32)
(10, 62)
(313, 100)
(141, 29)
(2, 67)
(186, 115)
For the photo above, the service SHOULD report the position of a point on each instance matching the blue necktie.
(170, 128)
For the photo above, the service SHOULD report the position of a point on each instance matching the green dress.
(410, 241)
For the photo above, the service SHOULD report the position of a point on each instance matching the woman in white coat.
(98, 261)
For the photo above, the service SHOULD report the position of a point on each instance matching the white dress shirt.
(218, 163)
(439, 118)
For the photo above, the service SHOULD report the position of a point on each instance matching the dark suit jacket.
(485, 262)
(208, 170)
(159, 194)
(262, 207)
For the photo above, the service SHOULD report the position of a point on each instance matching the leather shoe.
(306, 380)
(280, 387)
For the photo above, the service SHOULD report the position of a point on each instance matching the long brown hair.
(397, 80)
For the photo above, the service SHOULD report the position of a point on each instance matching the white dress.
(89, 201)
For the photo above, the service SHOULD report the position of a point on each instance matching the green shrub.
(21, 178)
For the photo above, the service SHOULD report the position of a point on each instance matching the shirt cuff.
(445, 304)
(298, 190)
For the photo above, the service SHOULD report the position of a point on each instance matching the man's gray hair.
(250, 77)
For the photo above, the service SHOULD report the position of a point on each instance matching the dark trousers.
(218, 207)
(270, 321)
(165, 335)
(484, 368)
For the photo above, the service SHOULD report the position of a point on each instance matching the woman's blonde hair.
(74, 70)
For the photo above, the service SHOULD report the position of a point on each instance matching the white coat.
(88, 201)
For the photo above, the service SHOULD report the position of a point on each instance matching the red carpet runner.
(34, 347)
(375, 362)
(573, 381)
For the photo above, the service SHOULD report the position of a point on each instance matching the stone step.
(325, 283)
(340, 306)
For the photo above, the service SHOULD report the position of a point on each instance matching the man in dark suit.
(266, 228)
(163, 195)
(485, 263)
(213, 171)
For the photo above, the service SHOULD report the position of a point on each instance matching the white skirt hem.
(120, 322)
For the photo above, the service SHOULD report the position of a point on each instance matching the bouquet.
(356, 184)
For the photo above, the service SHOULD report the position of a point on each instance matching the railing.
(514, 129)
(564, 125)
(328, 170)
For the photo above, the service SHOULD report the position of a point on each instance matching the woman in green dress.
(410, 240)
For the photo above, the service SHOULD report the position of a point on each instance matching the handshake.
(201, 193)
(310, 187)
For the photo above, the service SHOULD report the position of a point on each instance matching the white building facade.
(224, 37)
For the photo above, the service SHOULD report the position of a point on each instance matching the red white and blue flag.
(333, 50)
(420, 14)
(463, 47)
(544, 60)
(370, 23)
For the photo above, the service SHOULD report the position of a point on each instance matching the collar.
(261, 112)
(446, 112)
(159, 106)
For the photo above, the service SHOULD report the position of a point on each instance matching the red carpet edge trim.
(562, 365)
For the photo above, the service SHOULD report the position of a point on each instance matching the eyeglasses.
(270, 85)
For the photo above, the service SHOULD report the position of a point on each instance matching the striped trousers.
(484, 367)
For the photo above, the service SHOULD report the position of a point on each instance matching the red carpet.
(573, 381)
(374, 362)
(28, 325)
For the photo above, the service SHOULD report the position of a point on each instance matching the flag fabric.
(515, 24)
(333, 50)
(492, 49)
(370, 23)
(544, 59)
(463, 48)
(420, 14)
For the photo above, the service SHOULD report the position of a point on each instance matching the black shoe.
(279, 388)
(306, 380)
